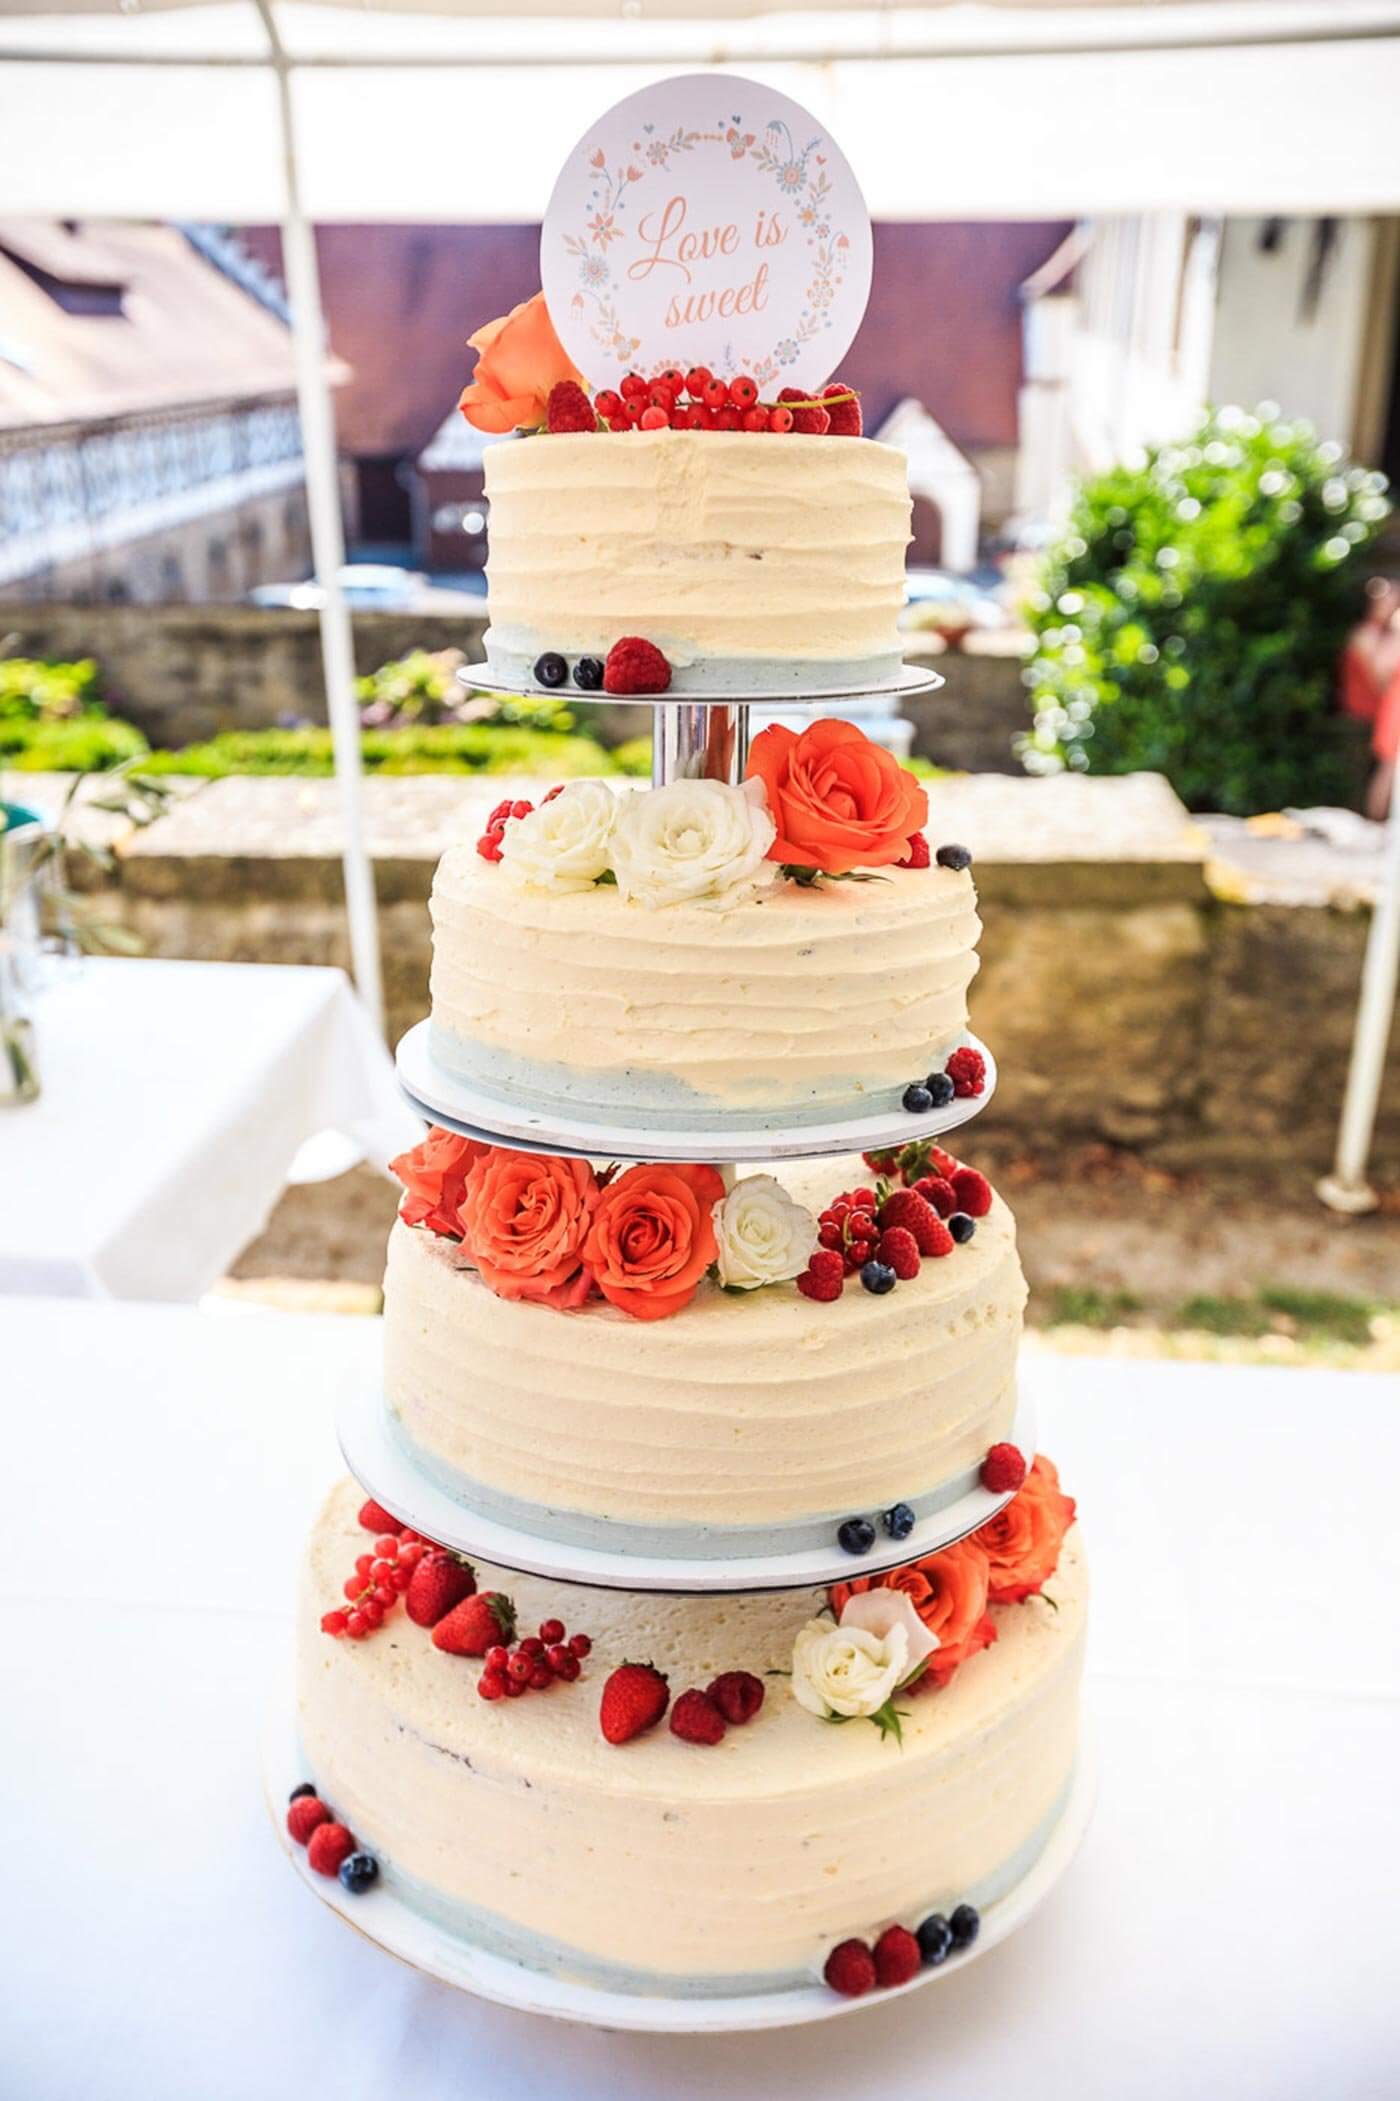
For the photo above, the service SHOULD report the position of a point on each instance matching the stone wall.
(184, 672)
(1146, 980)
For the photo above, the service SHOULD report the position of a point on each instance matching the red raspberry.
(900, 1250)
(938, 1192)
(809, 422)
(850, 1969)
(918, 855)
(826, 1263)
(328, 1845)
(737, 1694)
(973, 1192)
(967, 1069)
(304, 1815)
(569, 408)
(654, 418)
(696, 1719)
(635, 666)
(1003, 1468)
(822, 1289)
(743, 392)
(845, 415)
(897, 1956)
(908, 1209)
(375, 1518)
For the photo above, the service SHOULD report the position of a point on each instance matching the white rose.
(880, 1611)
(564, 844)
(762, 1235)
(694, 842)
(847, 1670)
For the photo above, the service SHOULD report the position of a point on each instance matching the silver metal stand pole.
(699, 740)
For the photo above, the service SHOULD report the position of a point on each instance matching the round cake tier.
(803, 1007)
(747, 1424)
(753, 564)
(661, 1866)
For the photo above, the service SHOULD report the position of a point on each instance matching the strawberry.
(304, 1815)
(635, 665)
(569, 408)
(635, 1697)
(375, 1518)
(973, 1192)
(850, 1969)
(906, 1209)
(737, 1694)
(476, 1625)
(696, 1719)
(899, 1250)
(897, 1956)
(439, 1582)
(328, 1845)
(811, 422)
(845, 415)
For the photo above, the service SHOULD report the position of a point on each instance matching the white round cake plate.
(386, 1472)
(385, 1919)
(441, 1098)
(912, 678)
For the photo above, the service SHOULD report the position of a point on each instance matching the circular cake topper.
(707, 221)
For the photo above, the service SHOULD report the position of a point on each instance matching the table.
(1230, 1929)
(175, 1096)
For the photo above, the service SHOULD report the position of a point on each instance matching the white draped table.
(175, 1097)
(1231, 1930)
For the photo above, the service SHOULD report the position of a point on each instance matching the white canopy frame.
(1329, 55)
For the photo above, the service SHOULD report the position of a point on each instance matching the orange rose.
(948, 1590)
(652, 1238)
(519, 358)
(525, 1218)
(434, 1176)
(1022, 1542)
(839, 801)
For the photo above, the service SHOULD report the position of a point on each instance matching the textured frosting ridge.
(825, 998)
(751, 1858)
(758, 1408)
(713, 544)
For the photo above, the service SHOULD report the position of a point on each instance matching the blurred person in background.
(1370, 685)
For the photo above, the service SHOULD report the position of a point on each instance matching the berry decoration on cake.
(967, 1069)
(850, 1969)
(696, 1719)
(635, 1696)
(918, 854)
(897, 1957)
(329, 1845)
(843, 406)
(898, 1521)
(476, 1625)
(973, 1192)
(1003, 1469)
(635, 665)
(569, 408)
(935, 1938)
(304, 1815)
(961, 1227)
(358, 1872)
(373, 1516)
(856, 1535)
(737, 1694)
(440, 1581)
(956, 857)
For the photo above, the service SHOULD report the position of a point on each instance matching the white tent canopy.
(988, 111)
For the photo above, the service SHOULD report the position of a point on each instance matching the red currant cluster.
(534, 1663)
(489, 844)
(848, 1225)
(379, 1581)
(712, 404)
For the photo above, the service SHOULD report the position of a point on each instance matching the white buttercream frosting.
(713, 545)
(752, 1856)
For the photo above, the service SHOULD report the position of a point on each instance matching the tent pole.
(327, 541)
(1346, 1188)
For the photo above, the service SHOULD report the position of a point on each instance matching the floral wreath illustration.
(800, 175)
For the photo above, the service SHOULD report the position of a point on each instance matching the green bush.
(89, 743)
(422, 690)
(1190, 620)
(446, 748)
(33, 689)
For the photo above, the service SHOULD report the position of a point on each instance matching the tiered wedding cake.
(633, 1368)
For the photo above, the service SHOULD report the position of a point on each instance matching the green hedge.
(475, 748)
(1190, 620)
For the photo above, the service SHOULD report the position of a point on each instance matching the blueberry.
(953, 857)
(962, 1227)
(878, 1277)
(857, 1535)
(939, 1089)
(297, 1792)
(935, 1938)
(917, 1099)
(361, 1871)
(550, 669)
(964, 1924)
(899, 1522)
(588, 674)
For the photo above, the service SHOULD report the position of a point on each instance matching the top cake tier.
(754, 563)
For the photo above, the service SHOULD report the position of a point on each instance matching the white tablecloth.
(175, 1096)
(1231, 1931)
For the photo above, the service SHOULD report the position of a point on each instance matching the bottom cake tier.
(684, 1867)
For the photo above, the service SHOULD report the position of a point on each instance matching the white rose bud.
(694, 842)
(564, 844)
(762, 1235)
(847, 1670)
(880, 1610)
